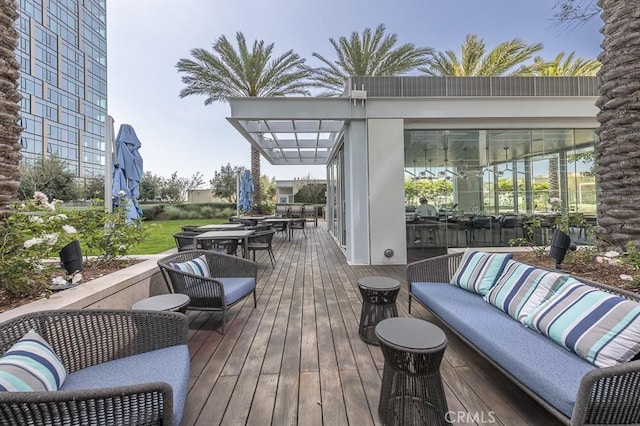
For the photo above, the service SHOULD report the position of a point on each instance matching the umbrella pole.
(237, 194)
(108, 169)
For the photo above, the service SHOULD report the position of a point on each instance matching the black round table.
(412, 391)
(378, 303)
(173, 302)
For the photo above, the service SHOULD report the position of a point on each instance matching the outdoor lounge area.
(298, 358)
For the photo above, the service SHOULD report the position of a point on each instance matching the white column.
(387, 227)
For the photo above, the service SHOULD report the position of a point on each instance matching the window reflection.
(544, 173)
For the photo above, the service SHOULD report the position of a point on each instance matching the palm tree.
(475, 61)
(227, 72)
(10, 130)
(617, 156)
(369, 54)
(561, 67)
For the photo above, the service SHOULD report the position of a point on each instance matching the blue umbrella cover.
(127, 171)
(245, 197)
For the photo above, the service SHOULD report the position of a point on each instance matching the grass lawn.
(160, 234)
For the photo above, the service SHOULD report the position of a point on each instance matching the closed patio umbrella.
(127, 171)
(245, 202)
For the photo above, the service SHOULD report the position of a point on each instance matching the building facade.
(496, 156)
(63, 58)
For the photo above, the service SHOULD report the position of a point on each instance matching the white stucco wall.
(386, 191)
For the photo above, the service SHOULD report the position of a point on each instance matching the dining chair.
(221, 246)
(262, 241)
(280, 227)
(184, 240)
(298, 224)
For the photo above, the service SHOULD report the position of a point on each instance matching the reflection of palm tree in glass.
(554, 186)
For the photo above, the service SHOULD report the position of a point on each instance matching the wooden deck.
(297, 358)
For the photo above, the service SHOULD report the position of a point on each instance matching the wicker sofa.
(576, 391)
(117, 368)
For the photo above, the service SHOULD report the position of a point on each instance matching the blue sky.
(147, 38)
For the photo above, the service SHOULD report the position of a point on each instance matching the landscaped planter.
(118, 290)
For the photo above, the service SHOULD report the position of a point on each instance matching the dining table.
(240, 234)
(219, 227)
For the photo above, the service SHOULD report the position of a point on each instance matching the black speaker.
(560, 243)
(71, 257)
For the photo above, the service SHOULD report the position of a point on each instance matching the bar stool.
(412, 391)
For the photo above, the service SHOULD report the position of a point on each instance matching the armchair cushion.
(236, 288)
(197, 266)
(31, 365)
(169, 365)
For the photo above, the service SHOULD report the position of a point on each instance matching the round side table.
(378, 303)
(173, 302)
(412, 391)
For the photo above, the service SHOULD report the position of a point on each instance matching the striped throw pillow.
(522, 288)
(478, 271)
(600, 327)
(197, 266)
(31, 365)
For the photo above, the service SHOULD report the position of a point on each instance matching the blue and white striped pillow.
(600, 327)
(197, 266)
(31, 365)
(478, 271)
(521, 288)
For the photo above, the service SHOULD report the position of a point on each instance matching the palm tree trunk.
(10, 130)
(255, 174)
(617, 153)
(554, 182)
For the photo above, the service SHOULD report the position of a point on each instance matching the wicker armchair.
(233, 279)
(184, 240)
(85, 338)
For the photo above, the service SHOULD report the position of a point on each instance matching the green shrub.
(174, 213)
(107, 235)
(188, 211)
(226, 212)
(150, 211)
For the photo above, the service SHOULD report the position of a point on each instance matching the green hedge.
(188, 211)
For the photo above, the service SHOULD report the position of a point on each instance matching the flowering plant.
(35, 231)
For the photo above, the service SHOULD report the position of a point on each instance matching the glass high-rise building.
(63, 58)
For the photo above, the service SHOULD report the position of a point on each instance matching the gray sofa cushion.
(170, 365)
(546, 368)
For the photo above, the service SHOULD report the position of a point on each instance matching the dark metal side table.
(378, 303)
(173, 302)
(412, 391)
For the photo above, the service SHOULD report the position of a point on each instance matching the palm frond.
(368, 54)
(245, 70)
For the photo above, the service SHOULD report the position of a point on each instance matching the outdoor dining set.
(249, 233)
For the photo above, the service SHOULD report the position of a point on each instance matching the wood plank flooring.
(297, 358)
